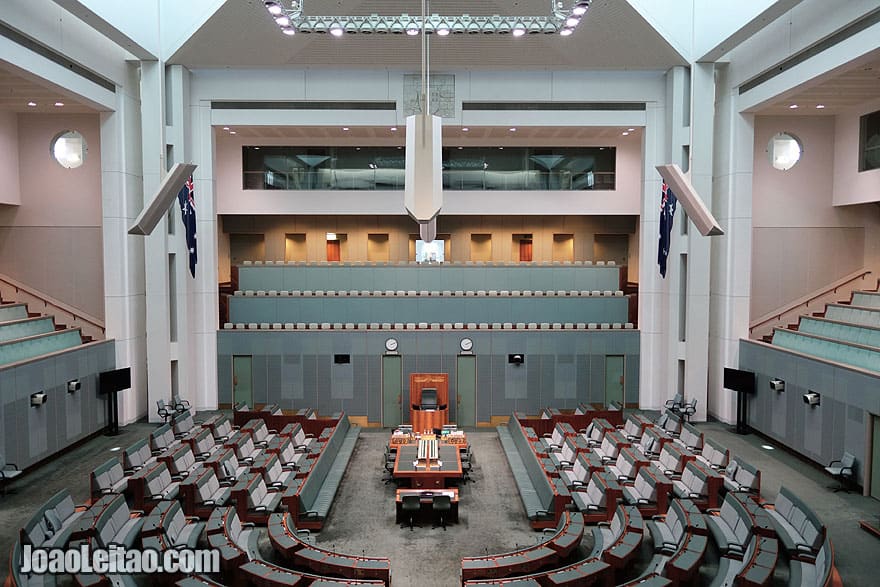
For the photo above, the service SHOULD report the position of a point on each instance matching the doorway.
(242, 380)
(611, 247)
(525, 249)
(392, 390)
(563, 247)
(246, 247)
(614, 379)
(875, 459)
(466, 391)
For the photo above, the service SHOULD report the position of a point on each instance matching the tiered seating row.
(449, 276)
(415, 308)
(829, 349)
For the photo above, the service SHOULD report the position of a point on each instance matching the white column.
(204, 306)
(159, 352)
(122, 201)
(696, 345)
(732, 253)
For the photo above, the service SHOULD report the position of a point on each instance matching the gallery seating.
(52, 524)
(699, 484)
(254, 500)
(295, 547)
(136, 456)
(617, 541)
(162, 440)
(202, 443)
(741, 476)
(799, 530)
(226, 465)
(627, 465)
(167, 528)
(202, 492)
(237, 542)
(680, 543)
(598, 500)
(243, 444)
(151, 485)
(114, 524)
(673, 459)
(181, 462)
(584, 466)
(634, 426)
(107, 478)
(260, 573)
(183, 425)
(650, 492)
(714, 455)
(690, 438)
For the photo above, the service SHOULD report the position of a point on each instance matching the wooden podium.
(420, 419)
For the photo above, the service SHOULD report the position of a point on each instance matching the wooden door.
(333, 251)
(525, 250)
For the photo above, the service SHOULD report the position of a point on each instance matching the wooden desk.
(422, 420)
(426, 498)
(434, 477)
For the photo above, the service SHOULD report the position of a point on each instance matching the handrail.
(806, 300)
(50, 301)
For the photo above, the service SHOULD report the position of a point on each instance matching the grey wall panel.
(259, 379)
(224, 378)
(823, 432)
(543, 380)
(632, 366)
(342, 384)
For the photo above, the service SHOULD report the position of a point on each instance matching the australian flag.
(667, 212)
(188, 214)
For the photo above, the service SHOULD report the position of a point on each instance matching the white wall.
(801, 241)
(10, 192)
(851, 186)
(52, 241)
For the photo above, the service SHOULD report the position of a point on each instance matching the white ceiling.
(612, 36)
(840, 90)
(18, 87)
(474, 134)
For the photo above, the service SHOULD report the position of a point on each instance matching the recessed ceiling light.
(288, 30)
(512, 129)
(767, 447)
(399, 147)
(464, 129)
(579, 10)
(256, 148)
(572, 21)
(282, 20)
(460, 148)
(116, 449)
(565, 32)
(336, 30)
(273, 7)
(518, 32)
(820, 106)
(443, 31)
(793, 106)
(225, 128)
(625, 133)
(32, 104)
(357, 148)
(59, 104)
(412, 29)
(393, 129)
(501, 148)
(345, 128)
(232, 132)
(630, 130)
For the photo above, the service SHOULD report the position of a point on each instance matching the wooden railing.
(800, 305)
(45, 304)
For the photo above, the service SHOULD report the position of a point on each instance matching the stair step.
(767, 338)
(86, 338)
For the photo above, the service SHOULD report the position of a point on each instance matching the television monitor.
(432, 252)
(116, 380)
(429, 398)
(737, 380)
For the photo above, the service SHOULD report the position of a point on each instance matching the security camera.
(777, 385)
(811, 398)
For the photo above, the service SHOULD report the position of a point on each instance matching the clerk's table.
(434, 474)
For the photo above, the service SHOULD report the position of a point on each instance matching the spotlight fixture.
(345, 128)
(32, 104)
(59, 104)
(519, 30)
(793, 107)
(288, 30)
(777, 384)
(811, 398)
(336, 30)
(412, 29)
(566, 32)
(464, 129)
(820, 106)
(232, 132)
(443, 30)
(225, 128)
(572, 21)
(512, 129)
(580, 8)
(273, 7)
(282, 21)
(625, 133)
(393, 129)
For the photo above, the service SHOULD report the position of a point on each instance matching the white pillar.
(122, 201)
(732, 253)
(695, 349)
(159, 352)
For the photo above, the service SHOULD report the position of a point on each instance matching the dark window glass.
(869, 141)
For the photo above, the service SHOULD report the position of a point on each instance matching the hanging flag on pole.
(668, 202)
(188, 215)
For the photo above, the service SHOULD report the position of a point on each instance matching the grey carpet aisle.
(491, 516)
